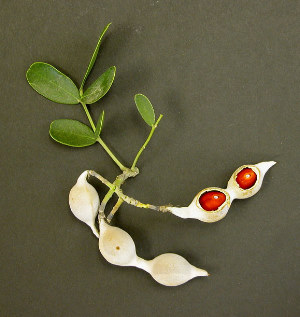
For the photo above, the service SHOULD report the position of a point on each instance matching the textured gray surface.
(225, 74)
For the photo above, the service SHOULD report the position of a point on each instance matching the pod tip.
(95, 231)
(201, 272)
(265, 166)
(82, 178)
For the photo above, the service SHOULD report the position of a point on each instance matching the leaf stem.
(146, 142)
(88, 115)
(105, 147)
(115, 209)
(118, 182)
(109, 152)
(111, 191)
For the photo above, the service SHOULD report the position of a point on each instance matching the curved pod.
(212, 204)
(168, 269)
(84, 202)
(116, 245)
(196, 211)
(172, 269)
(235, 185)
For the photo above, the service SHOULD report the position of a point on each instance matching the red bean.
(212, 200)
(246, 178)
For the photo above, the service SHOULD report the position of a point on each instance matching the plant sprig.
(58, 87)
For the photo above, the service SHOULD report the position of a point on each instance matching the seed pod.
(172, 269)
(84, 202)
(246, 181)
(212, 204)
(209, 205)
(169, 269)
(116, 245)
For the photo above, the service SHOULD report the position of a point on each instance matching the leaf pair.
(56, 86)
(74, 133)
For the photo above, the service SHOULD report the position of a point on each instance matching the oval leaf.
(71, 133)
(145, 108)
(52, 84)
(99, 87)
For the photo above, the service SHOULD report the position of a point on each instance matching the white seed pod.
(197, 211)
(212, 204)
(169, 269)
(172, 270)
(116, 245)
(84, 202)
(246, 181)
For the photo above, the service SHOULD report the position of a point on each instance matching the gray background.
(225, 74)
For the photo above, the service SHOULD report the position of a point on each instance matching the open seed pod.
(246, 181)
(84, 202)
(209, 205)
(169, 269)
(212, 204)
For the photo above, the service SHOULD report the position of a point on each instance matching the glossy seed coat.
(212, 200)
(246, 178)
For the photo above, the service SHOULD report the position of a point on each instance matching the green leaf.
(99, 87)
(71, 133)
(99, 125)
(145, 109)
(93, 59)
(52, 84)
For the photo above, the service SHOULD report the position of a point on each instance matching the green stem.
(118, 182)
(105, 200)
(88, 115)
(105, 147)
(109, 194)
(109, 152)
(115, 188)
(120, 179)
(146, 142)
(115, 209)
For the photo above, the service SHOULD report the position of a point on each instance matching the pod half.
(212, 204)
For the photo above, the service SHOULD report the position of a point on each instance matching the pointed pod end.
(181, 212)
(201, 272)
(82, 178)
(265, 166)
(94, 230)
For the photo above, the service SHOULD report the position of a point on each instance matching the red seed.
(212, 200)
(246, 178)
